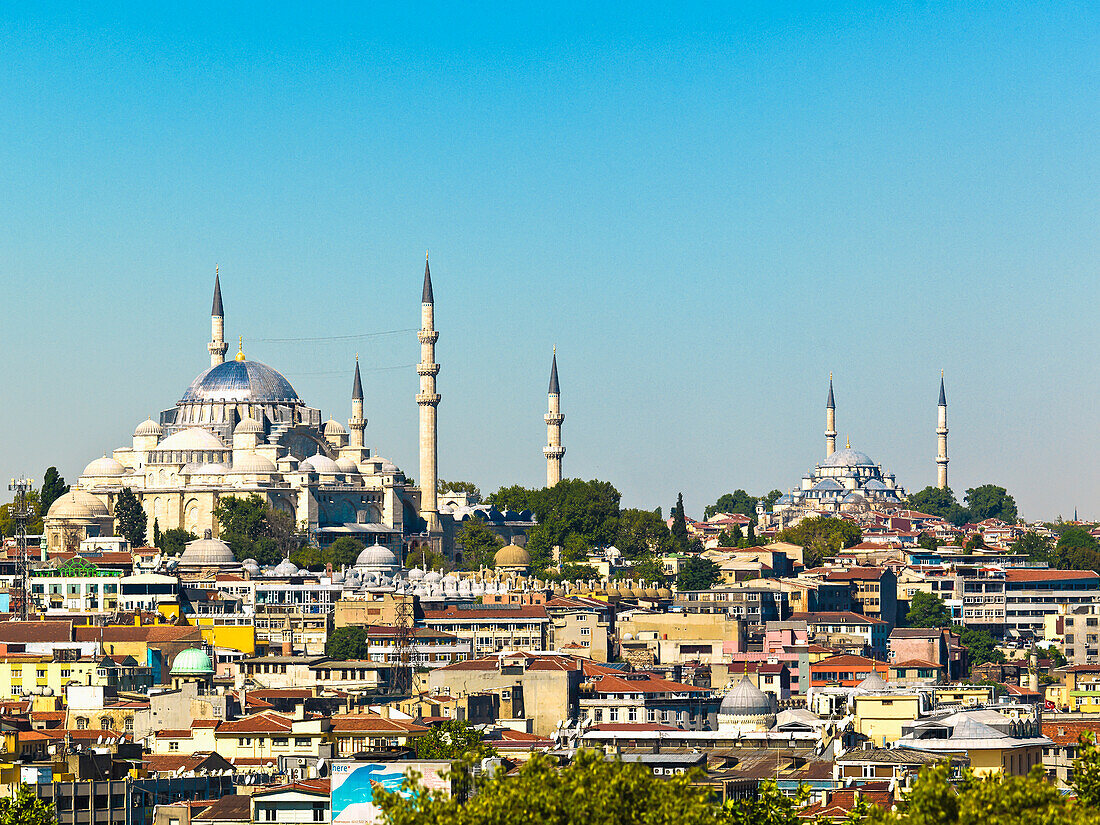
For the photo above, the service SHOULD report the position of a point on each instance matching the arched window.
(104, 722)
(82, 723)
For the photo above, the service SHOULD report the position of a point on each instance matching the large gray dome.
(240, 381)
(746, 699)
(207, 552)
(849, 458)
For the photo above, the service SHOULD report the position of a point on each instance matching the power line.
(345, 372)
(361, 337)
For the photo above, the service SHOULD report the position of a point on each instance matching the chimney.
(299, 712)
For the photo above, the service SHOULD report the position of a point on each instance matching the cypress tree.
(130, 518)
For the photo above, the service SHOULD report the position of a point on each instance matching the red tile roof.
(1028, 575)
(265, 722)
(650, 684)
(839, 617)
(1067, 733)
(373, 723)
(506, 613)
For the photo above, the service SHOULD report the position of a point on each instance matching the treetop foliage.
(821, 536)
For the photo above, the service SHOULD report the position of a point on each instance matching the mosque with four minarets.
(240, 428)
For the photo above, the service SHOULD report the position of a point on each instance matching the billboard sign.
(353, 784)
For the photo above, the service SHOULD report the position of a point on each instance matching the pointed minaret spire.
(830, 421)
(217, 346)
(357, 423)
(941, 439)
(428, 402)
(428, 297)
(554, 417)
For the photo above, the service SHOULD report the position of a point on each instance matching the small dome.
(214, 469)
(285, 568)
(746, 699)
(416, 574)
(193, 438)
(376, 556)
(512, 555)
(252, 464)
(432, 576)
(249, 426)
(207, 552)
(77, 504)
(192, 662)
(334, 427)
(664, 593)
(346, 466)
(148, 427)
(104, 467)
(873, 682)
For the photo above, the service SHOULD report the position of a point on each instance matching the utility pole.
(21, 513)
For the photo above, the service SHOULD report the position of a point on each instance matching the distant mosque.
(848, 480)
(240, 428)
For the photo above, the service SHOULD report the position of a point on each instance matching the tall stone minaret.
(941, 437)
(830, 421)
(356, 424)
(217, 345)
(428, 399)
(553, 449)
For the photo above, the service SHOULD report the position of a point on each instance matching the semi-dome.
(105, 466)
(240, 381)
(252, 464)
(346, 465)
(212, 469)
(849, 458)
(512, 555)
(193, 438)
(319, 463)
(192, 662)
(77, 504)
(148, 427)
(746, 699)
(207, 552)
(334, 427)
(249, 426)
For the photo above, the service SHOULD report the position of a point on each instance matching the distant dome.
(664, 593)
(104, 467)
(334, 427)
(252, 464)
(346, 465)
(376, 556)
(77, 504)
(247, 381)
(192, 662)
(148, 427)
(207, 552)
(873, 682)
(285, 568)
(416, 574)
(848, 458)
(193, 438)
(512, 555)
(746, 699)
(214, 469)
(249, 426)
(319, 463)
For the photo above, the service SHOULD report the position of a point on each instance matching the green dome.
(192, 662)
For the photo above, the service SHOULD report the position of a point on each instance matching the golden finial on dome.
(240, 348)
(847, 442)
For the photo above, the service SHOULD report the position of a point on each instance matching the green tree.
(172, 541)
(53, 487)
(1076, 549)
(590, 789)
(34, 522)
(25, 808)
(156, 533)
(770, 806)
(516, 498)
(573, 572)
(452, 739)
(937, 502)
(479, 543)
(736, 502)
(928, 541)
(1086, 771)
(980, 646)
(697, 573)
(927, 610)
(642, 532)
(975, 542)
(347, 642)
(342, 553)
(255, 530)
(680, 539)
(990, 501)
(821, 536)
(467, 487)
(1034, 546)
(649, 569)
(307, 558)
(130, 518)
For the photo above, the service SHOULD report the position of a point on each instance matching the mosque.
(240, 428)
(848, 480)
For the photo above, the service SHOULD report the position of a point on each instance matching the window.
(268, 814)
(82, 723)
(612, 714)
(129, 724)
(318, 811)
(301, 741)
(280, 742)
(104, 722)
(173, 745)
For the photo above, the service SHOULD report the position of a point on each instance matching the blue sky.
(707, 209)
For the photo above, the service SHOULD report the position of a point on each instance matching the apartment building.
(493, 628)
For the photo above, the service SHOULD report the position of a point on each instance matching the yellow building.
(994, 743)
(880, 717)
(22, 673)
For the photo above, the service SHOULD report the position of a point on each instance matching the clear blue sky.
(707, 209)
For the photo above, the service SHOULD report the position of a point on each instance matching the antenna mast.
(21, 514)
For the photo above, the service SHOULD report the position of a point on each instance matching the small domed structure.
(207, 552)
(746, 708)
(334, 427)
(346, 466)
(319, 463)
(285, 569)
(106, 466)
(873, 683)
(377, 559)
(249, 426)
(148, 428)
(77, 504)
(192, 662)
(252, 464)
(193, 438)
(512, 557)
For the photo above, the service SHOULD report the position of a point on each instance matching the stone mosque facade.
(240, 428)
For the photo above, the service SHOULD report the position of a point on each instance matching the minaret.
(830, 421)
(217, 345)
(553, 449)
(941, 433)
(356, 424)
(428, 399)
